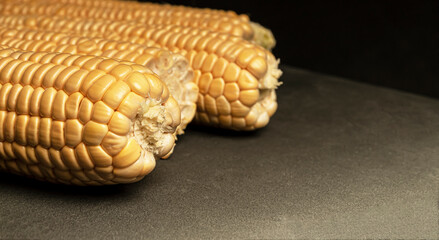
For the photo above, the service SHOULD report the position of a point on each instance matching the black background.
(387, 43)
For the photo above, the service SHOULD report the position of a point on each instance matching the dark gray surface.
(338, 160)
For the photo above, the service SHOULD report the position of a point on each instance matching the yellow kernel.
(132, 170)
(220, 67)
(62, 175)
(34, 103)
(4, 93)
(131, 105)
(91, 77)
(245, 57)
(119, 124)
(72, 105)
(101, 112)
(23, 100)
(84, 159)
(199, 60)
(216, 87)
(9, 126)
(116, 93)
(238, 109)
(55, 158)
(20, 129)
(99, 157)
(46, 102)
(82, 60)
(238, 123)
(3, 115)
(210, 105)
(231, 91)
(121, 71)
(73, 132)
(156, 86)
(30, 153)
(57, 135)
(258, 67)
(247, 81)
(18, 76)
(98, 88)
(209, 63)
(225, 120)
(249, 97)
(38, 77)
(92, 64)
(32, 131)
(13, 97)
(107, 65)
(138, 83)
(69, 158)
(59, 108)
(52, 75)
(73, 84)
(231, 74)
(85, 110)
(223, 106)
(129, 154)
(94, 133)
(113, 143)
(205, 81)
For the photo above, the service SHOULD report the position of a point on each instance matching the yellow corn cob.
(148, 13)
(82, 120)
(171, 68)
(237, 79)
(131, 5)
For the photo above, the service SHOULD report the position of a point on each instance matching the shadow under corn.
(212, 131)
(14, 184)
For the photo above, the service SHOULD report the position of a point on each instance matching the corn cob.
(237, 79)
(150, 14)
(146, 13)
(171, 68)
(82, 120)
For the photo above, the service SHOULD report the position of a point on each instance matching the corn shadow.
(19, 185)
(205, 130)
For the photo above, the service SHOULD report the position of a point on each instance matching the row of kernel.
(66, 165)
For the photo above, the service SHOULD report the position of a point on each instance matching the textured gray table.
(338, 160)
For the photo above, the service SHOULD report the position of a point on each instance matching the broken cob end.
(263, 36)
